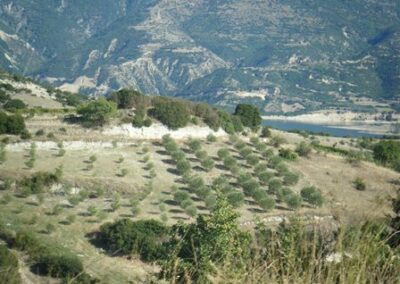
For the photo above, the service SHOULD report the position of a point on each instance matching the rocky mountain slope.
(286, 56)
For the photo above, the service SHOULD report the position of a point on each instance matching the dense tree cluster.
(96, 113)
(388, 153)
(173, 114)
(249, 115)
(11, 124)
(141, 238)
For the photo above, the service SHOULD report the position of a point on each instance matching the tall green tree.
(97, 112)
(249, 115)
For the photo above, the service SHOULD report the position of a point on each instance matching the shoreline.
(367, 123)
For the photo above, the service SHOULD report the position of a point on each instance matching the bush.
(293, 201)
(211, 138)
(180, 196)
(266, 132)
(252, 159)
(207, 164)
(97, 113)
(173, 114)
(8, 267)
(191, 210)
(264, 177)
(127, 98)
(290, 178)
(249, 115)
(267, 203)
(250, 187)
(183, 167)
(229, 162)
(303, 149)
(387, 153)
(287, 154)
(235, 198)
(178, 155)
(245, 151)
(226, 123)
(194, 144)
(58, 264)
(13, 124)
(359, 184)
(274, 185)
(201, 154)
(38, 182)
(14, 104)
(127, 237)
(354, 157)
(312, 196)
(223, 153)
(277, 141)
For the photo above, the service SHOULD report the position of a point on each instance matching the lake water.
(330, 129)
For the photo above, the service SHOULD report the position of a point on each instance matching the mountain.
(286, 56)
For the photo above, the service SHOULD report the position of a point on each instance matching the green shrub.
(58, 264)
(183, 167)
(249, 115)
(210, 200)
(293, 201)
(237, 123)
(277, 141)
(250, 187)
(194, 145)
(14, 104)
(230, 162)
(3, 153)
(266, 132)
(267, 203)
(264, 177)
(303, 149)
(359, 184)
(235, 198)
(211, 138)
(173, 114)
(13, 124)
(180, 196)
(201, 154)
(225, 120)
(312, 196)
(252, 159)
(178, 155)
(290, 178)
(96, 113)
(207, 164)
(127, 98)
(38, 181)
(127, 237)
(191, 210)
(9, 271)
(388, 153)
(223, 153)
(274, 185)
(246, 151)
(287, 154)
(261, 147)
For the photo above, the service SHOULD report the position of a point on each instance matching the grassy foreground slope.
(65, 180)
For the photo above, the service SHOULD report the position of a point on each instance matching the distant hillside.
(286, 56)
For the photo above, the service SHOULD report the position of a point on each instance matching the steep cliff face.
(311, 54)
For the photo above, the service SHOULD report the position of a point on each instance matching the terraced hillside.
(285, 56)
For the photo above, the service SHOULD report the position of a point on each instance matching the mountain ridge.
(319, 54)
